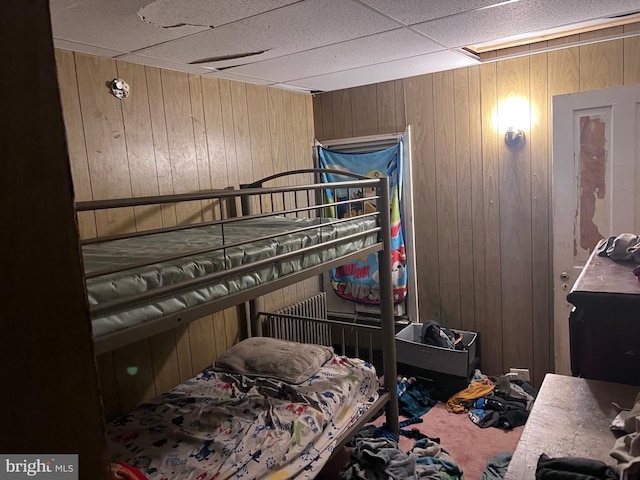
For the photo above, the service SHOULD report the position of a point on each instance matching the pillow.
(290, 362)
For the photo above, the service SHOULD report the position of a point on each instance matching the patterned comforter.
(219, 425)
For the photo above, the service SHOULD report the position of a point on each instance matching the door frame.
(623, 139)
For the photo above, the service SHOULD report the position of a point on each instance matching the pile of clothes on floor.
(375, 455)
(502, 402)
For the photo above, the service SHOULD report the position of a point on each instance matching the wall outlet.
(521, 373)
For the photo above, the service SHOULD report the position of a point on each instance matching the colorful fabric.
(122, 471)
(220, 426)
(359, 281)
(473, 392)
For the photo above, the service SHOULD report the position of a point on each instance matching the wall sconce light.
(513, 116)
(514, 138)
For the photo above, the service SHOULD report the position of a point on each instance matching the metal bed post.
(253, 306)
(386, 308)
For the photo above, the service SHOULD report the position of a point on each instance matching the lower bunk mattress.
(222, 425)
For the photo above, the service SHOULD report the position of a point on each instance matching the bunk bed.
(143, 283)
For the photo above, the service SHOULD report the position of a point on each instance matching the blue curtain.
(359, 280)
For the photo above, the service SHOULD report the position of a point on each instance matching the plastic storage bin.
(411, 351)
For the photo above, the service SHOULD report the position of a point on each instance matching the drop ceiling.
(312, 45)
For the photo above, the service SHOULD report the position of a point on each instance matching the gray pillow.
(290, 362)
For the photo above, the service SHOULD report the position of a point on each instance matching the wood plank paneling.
(180, 136)
(364, 110)
(134, 374)
(342, 114)
(541, 220)
(241, 131)
(419, 108)
(515, 211)
(164, 360)
(463, 206)
(328, 128)
(477, 202)
(491, 326)
(161, 143)
(139, 143)
(317, 117)
(631, 47)
(386, 110)
(226, 101)
(601, 65)
(214, 129)
(401, 123)
(68, 86)
(106, 146)
(446, 197)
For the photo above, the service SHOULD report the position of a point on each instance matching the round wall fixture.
(119, 88)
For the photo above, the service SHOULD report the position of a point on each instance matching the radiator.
(288, 324)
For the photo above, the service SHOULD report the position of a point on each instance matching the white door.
(596, 140)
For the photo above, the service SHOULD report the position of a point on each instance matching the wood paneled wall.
(175, 133)
(483, 216)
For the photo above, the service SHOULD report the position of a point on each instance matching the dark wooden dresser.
(604, 326)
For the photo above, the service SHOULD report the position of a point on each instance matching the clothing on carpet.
(573, 468)
(476, 390)
(416, 399)
(497, 467)
(381, 459)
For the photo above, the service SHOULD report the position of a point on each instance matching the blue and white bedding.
(242, 247)
(220, 425)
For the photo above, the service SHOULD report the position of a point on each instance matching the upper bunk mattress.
(220, 426)
(255, 247)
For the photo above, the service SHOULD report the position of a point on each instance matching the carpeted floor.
(470, 446)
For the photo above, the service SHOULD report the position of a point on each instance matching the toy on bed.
(268, 408)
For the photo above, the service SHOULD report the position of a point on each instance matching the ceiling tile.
(112, 24)
(82, 48)
(302, 26)
(161, 63)
(520, 17)
(239, 78)
(383, 72)
(208, 13)
(343, 56)
(410, 12)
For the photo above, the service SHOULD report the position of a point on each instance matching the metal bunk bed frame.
(250, 195)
